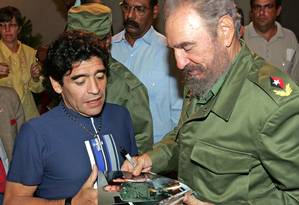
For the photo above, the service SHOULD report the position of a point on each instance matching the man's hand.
(87, 194)
(191, 200)
(4, 70)
(144, 164)
(35, 72)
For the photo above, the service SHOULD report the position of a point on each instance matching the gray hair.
(209, 10)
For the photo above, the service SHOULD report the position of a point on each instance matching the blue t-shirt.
(50, 150)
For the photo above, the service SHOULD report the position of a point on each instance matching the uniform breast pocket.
(221, 173)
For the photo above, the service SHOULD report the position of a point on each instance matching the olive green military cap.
(91, 17)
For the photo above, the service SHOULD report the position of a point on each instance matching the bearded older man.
(238, 132)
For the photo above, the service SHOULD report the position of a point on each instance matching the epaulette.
(277, 84)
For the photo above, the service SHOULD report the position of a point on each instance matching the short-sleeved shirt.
(50, 151)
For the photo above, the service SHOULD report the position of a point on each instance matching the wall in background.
(44, 15)
(245, 6)
(47, 16)
(289, 17)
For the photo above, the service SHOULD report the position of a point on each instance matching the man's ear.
(226, 30)
(56, 86)
(155, 11)
(278, 11)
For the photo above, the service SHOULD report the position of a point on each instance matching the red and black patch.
(277, 82)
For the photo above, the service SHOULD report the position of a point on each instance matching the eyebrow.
(184, 44)
(138, 4)
(264, 5)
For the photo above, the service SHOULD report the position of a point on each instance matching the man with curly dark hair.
(55, 155)
(123, 87)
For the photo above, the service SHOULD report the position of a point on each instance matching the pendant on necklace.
(98, 144)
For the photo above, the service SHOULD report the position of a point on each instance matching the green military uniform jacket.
(125, 89)
(242, 147)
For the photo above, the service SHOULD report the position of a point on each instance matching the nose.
(131, 13)
(262, 11)
(93, 87)
(6, 28)
(181, 58)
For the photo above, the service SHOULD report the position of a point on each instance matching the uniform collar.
(213, 91)
(237, 74)
(222, 104)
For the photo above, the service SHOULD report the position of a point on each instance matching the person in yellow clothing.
(18, 66)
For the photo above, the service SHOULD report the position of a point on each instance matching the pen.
(128, 157)
(131, 160)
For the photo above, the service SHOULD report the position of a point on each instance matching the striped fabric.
(103, 152)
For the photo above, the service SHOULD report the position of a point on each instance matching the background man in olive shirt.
(237, 141)
(267, 37)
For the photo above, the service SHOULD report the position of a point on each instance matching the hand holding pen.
(137, 164)
(131, 160)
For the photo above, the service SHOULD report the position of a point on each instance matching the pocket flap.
(221, 160)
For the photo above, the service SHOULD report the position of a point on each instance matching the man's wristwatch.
(68, 201)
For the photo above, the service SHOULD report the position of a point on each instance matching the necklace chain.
(73, 118)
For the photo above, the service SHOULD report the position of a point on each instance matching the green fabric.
(243, 146)
(91, 17)
(214, 90)
(124, 88)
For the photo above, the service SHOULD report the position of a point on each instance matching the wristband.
(68, 201)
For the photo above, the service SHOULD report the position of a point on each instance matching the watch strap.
(68, 201)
